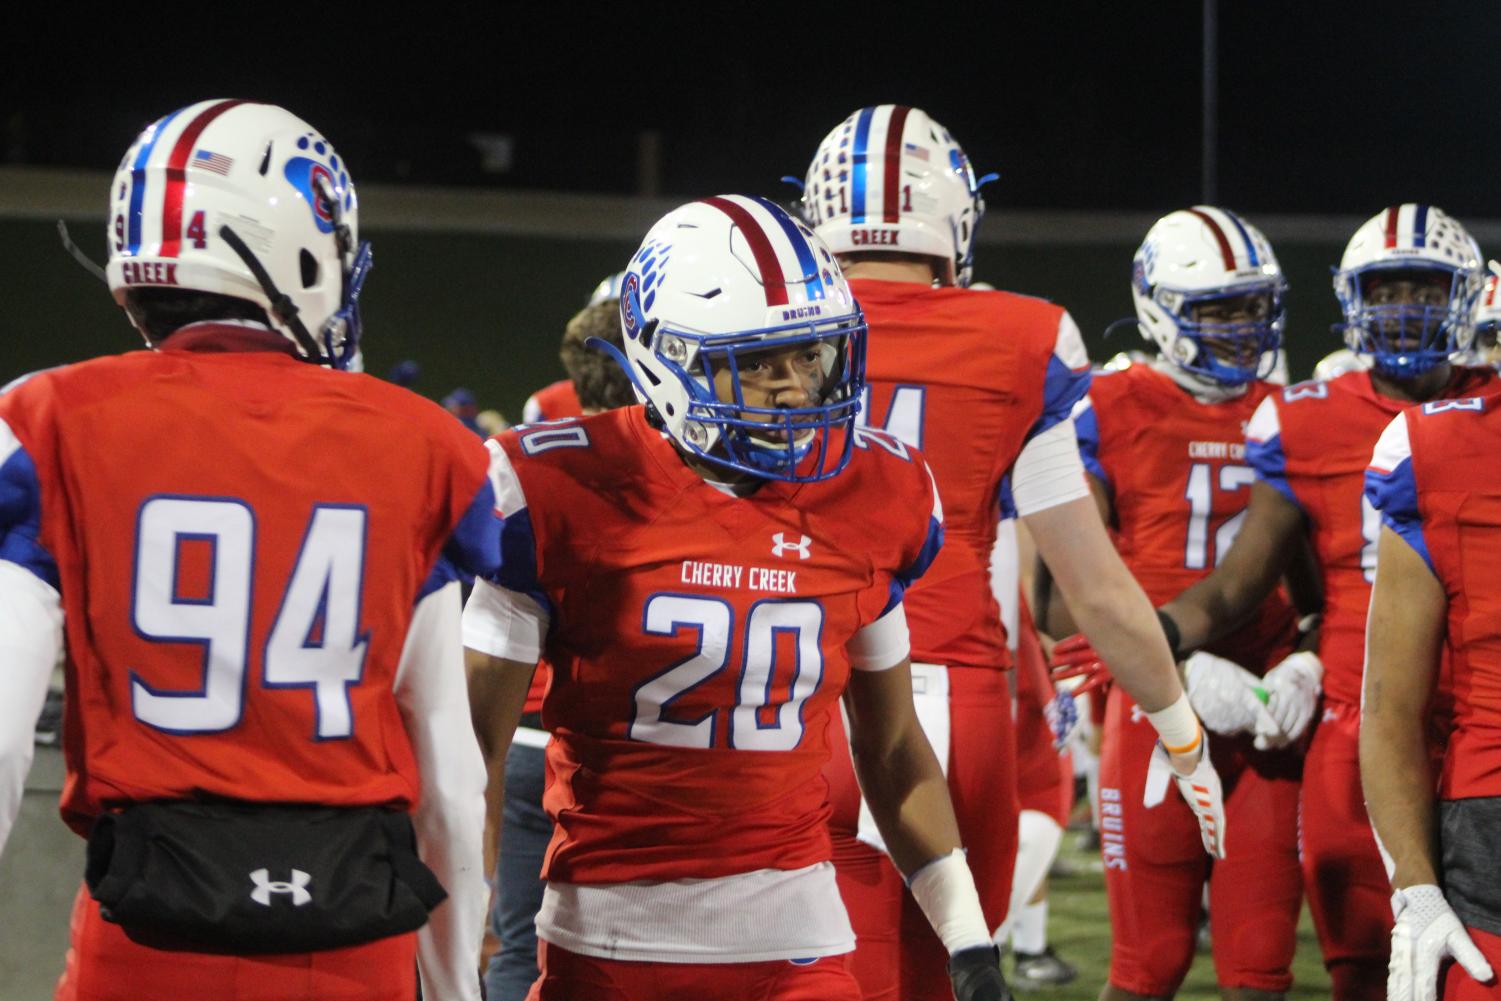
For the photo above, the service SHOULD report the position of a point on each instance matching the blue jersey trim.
(21, 518)
(1087, 431)
(1270, 463)
(904, 578)
(474, 550)
(1006, 499)
(1062, 388)
(518, 561)
(443, 574)
(1395, 495)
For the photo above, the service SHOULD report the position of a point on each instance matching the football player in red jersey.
(597, 384)
(983, 382)
(1407, 284)
(1163, 444)
(707, 574)
(258, 557)
(1435, 482)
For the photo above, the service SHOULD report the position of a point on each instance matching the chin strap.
(1201, 388)
(283, 309)
(78, 255)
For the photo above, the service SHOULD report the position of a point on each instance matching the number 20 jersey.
(1176, 472)
(239, 539)
(1312, 442)
(698, 640)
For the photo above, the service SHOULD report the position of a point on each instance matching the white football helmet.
(714, 281)
(1200, 257)
(244, 200)
(1337, 363)
(1404, 340)
(1484, 348)
(891, 179)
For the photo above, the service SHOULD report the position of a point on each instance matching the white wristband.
(945, 890)
(1177, 726)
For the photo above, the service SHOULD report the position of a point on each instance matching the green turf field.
(1079, 929)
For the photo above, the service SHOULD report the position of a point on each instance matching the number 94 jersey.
(239, 539)
(698, 639)
(1177, 475)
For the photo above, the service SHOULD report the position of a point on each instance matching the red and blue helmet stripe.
(774, 277)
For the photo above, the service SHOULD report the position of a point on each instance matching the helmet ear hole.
(309, 266)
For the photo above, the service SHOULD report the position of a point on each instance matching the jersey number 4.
(1200, 494)
(759, 721)
(316, 641)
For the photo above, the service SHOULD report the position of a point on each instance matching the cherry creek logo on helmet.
(629, 293)
(321, 184)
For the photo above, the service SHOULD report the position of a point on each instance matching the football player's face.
(786, 378)
(1406, 288)
(1234, 348)
(779, 379)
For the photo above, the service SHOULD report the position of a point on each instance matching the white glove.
(1427, 932)
(1224, 694)
(1292, 689)
(1200, 789)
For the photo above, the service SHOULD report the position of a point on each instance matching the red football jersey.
(553, 402)
(1175, 469)
(698, 640)
(1312, 441)
(968, 376)
(239, 540)
(1435, 481)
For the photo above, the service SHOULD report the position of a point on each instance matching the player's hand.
(1227, 697)
(976, 974)
(1199, 785)
(1292, 689)
(1075, 657)
(1426, 933)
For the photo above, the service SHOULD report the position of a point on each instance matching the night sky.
(1324, 108)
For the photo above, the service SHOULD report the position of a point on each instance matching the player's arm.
(1055, 619)
(1248, 574)
(449, 819)
(1260, 555)
(1404, 634)
(1404, 639)
(1115, 615)
(908, 795)
(503, 636)
(898, 771)
(505, 623)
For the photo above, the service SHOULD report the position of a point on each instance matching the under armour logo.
(801, 547)
(264, 887)
(1138, 714)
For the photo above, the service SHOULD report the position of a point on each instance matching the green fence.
(486, 311)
